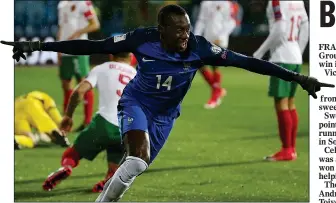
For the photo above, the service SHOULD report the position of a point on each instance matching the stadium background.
(211, 155)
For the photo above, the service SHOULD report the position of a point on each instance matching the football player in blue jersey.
(168, 57)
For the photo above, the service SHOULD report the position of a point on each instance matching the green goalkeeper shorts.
(99, 135)
(279, 88)
(74, 66)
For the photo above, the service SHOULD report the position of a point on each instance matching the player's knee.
(70, 157)
(281, 103)
(291, 103)
(134, 166)
(25, 141)
(138, 145)
(66, 85)
(143, 155)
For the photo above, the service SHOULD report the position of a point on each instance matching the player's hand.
(19, 48)
(66, 124)
(75, 35)
(310, 84)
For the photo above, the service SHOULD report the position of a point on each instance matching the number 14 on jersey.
(167, 83)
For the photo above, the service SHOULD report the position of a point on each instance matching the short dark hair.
(122, 54)
(167, 10)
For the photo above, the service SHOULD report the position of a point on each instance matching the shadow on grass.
(24, 195)
(154, 170)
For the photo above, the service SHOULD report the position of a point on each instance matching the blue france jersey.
(163, 78)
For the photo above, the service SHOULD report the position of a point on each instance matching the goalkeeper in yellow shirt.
(37, 110)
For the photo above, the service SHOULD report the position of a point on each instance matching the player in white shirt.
(102, 133)
(215, 22)
(289, 29)
(76, 19)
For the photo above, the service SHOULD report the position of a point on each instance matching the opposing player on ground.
(102, 133)
(168, 58)
(215, 22)
(287, 40)
(37, 110)
(76, 19)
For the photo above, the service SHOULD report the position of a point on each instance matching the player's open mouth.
(184, 44)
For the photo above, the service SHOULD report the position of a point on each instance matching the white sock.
(122, 179)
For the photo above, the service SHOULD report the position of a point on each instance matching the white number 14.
(166, 83)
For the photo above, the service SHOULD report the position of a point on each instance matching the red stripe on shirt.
(88, 14)
(276, 9)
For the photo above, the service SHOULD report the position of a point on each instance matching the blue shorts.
(136, 118)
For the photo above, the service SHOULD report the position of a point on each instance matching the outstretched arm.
(82, 47)
(229, 58)
(257, 66)
(112, 45)
(216, 56)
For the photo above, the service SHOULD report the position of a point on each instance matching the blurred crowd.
(39, 18)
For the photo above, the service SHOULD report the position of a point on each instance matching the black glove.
(310, 84)
(23, 47)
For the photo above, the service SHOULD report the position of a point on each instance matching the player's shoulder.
(100, 67)
(62, 4)
(145, 34)
(294, 6)
(198, 42)
(36, 92)
(84, 3)
(203, 47)
(39, 94)
(139, 36)
(206, 3)
(122, 67)
(114, 66)
(299, 4)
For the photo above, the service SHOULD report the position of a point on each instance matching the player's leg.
(114, 151)
(88, 144)
(207, 75)
(217, 91)
(293, 112)
(280, 90)
(115, 154)
(133, 126)
(137, 160)
(66, 71)
(295, 123)
(23, 134)
(81, 72)
(40, 120)
(141, 148)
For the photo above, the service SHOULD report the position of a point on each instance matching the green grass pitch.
(211, 155)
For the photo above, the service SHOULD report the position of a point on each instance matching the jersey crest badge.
(186, 66)
(119, 38)
(215, 49)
